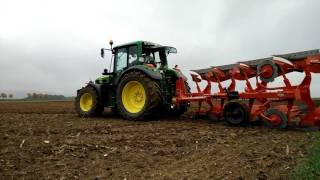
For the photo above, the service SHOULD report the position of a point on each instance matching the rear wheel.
(236, 113)
(138, 96)
(87, 103)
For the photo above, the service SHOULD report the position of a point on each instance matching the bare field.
(47, 140)
(51, 107)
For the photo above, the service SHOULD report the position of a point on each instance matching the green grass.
(309, 166)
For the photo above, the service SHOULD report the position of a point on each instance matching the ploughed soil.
(47, 140)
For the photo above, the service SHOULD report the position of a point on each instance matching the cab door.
(121, 59)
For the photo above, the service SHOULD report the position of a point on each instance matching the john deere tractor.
(138, 85)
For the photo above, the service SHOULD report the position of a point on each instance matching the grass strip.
(309, 166)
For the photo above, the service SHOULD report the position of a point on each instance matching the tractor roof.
(147, 43)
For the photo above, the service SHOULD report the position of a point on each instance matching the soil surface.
(49, 141)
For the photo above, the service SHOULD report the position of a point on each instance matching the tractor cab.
(146, 56)
(151, 55)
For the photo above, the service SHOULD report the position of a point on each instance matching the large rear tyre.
(87, 103)
(138, 97)
(236, 113)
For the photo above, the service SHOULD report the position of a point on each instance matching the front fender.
(96, 87)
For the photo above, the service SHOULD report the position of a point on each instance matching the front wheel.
(87, 103)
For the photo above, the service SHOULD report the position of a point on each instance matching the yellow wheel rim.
(86, 102)
(133, 96)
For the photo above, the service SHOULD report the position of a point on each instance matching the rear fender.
(150, 72)
(96, 87)
(175, 73)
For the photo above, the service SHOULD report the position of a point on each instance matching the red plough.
(278, 107)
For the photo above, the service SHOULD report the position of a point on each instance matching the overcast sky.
(53, 46)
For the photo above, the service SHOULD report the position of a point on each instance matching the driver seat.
(150, 60)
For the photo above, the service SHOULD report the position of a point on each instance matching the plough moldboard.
(278, 107)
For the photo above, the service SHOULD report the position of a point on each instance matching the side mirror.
(102, 52)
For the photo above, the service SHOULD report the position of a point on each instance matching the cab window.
(157, 57)
(122, 59)
(133, 55)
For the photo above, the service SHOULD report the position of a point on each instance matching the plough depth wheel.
(276, 119)
(236, 113)
(267, 71)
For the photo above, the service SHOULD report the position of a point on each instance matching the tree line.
(44, 96)
(6, 95)
(36, 96)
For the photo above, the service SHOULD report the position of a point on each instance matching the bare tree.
(34, 95)
(10, 96)
(40, 95)
(3, 95)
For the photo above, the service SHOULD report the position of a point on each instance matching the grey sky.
(53, 46)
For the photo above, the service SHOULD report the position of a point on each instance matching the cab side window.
(133, 55)
(122, 59)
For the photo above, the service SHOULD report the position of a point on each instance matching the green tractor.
(139, 85)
